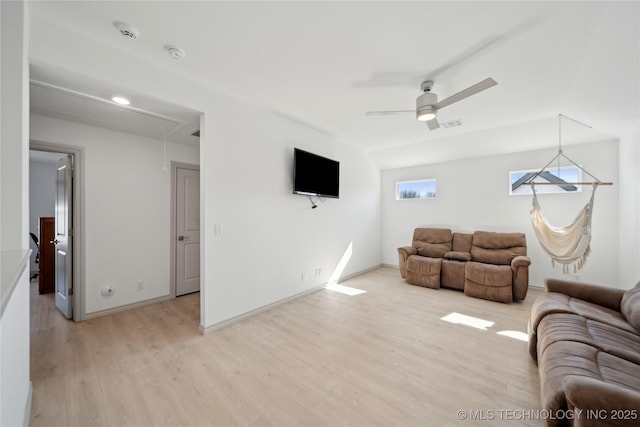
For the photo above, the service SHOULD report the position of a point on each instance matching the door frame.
(173, 234)
(77, 192)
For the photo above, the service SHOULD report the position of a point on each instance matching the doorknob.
(181, 238)
(55, 241)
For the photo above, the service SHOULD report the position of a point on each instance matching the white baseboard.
(127, 307)
(27, 408)
(358, 273)
(205, 330)
(216, 326)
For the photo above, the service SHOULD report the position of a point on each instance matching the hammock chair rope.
(570, 244)
(566, 245)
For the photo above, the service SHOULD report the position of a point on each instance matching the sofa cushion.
(564, 358)
(461, 242)
(630, 306)
(458, 256)
(452, 274)
(432, 242)
(555, 302)
(488, 274)
(424, 271)
(571, 327)
(487, 281)
(497, 248)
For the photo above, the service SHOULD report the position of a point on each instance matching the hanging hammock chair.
(566, 245)
(570, 244)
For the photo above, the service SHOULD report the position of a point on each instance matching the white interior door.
(63, 240)
(187, 231)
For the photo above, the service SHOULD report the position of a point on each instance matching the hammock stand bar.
(561, 154)
(569, 183)
(557, 156)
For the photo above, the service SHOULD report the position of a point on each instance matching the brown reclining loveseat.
(483, 264)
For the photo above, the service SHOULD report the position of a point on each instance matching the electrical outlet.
(108, 291)
(318, 272)
(140, 285)
(303, 277)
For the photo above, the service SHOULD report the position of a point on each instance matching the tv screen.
(314, 175)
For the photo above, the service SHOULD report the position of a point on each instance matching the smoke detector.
(175, 52)
(126, 30)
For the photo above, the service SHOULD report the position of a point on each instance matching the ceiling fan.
(427, 104)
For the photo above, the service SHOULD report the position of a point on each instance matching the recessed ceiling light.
(120, 100)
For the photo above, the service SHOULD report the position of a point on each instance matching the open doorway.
(54, 224)
(125, 184)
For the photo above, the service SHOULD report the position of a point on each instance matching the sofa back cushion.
(461, 242)
(630, 306)
(497, 248)
(432, 242)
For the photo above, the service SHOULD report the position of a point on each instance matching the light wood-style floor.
(380, 358)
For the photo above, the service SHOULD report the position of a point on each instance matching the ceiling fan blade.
(433, 124)
(472, 90)
(386, 113)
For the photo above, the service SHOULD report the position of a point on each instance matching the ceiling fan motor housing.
(424, 104)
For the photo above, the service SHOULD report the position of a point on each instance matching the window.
(421, 189)
(562, 177)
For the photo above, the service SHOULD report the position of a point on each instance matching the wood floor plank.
(384, 357)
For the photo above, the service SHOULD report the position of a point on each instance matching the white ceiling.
(327, 63)
(71, 96)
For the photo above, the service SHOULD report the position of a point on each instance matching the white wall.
(15, 388)
(127, 200)
(269, 235)
(42, 199)
(473, 194)
(629, 188)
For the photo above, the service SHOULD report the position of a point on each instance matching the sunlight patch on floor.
(515, 335)
(347, 290)
(463, 319)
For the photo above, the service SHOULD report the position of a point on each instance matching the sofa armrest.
(596, 294)
(595, 402)
(404, 253)
(407, 251)
(520, 261)
(520, 271)
(458, 256)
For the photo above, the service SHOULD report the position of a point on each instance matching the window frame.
(546, 189)
(428, 195)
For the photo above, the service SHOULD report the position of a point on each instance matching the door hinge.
(70, 291)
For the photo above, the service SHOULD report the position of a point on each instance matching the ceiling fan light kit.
(426, 114)
(427, 105)
(424, 103)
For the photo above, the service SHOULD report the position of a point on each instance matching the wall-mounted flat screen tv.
(314, 175)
